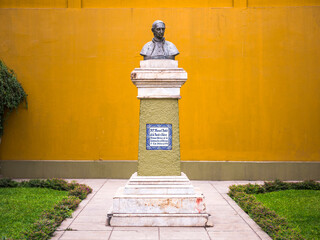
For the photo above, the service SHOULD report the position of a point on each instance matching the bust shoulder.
(147, 49)
(171, 48)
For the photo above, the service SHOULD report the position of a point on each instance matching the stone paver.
(234, 235)
(230, 222)
(86, 235)
(135, 233)
(177, 233)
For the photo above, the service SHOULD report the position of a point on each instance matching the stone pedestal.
(159, 194)
(159, 83)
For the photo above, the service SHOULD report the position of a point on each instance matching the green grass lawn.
(300, 207)
(20, 207)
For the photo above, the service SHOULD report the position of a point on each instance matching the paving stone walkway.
(230, 222)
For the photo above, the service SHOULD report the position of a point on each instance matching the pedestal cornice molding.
(159, 79)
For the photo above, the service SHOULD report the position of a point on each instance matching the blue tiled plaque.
(159, 137)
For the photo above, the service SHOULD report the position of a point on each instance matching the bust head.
(158, 28)
(159, 48)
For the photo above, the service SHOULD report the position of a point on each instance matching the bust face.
(158, 30)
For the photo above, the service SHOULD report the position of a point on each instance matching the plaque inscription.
(159, 137)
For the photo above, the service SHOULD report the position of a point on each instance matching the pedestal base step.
(158, 201)
(159, 189)
(157, 204)
(158, 220)
(158, 180)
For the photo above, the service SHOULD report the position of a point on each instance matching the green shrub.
(41, 229)
(276, 227)
(307, 185)
(254, 188)
(277, 185)
(51, 219)
(81, 191)
(75, 189)
(57, 184)
(36, 183)
(71, 202)
(6, 182)
(11, 93)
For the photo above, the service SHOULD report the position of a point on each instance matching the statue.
(159, 48)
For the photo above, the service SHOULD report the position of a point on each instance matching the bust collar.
(158, 41)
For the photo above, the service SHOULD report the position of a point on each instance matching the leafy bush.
(71, 202)
(11, 93)
(32, 183)
(277, 185)
(275, 226)
(6, 182)
(51, 219)
(75, 189)
(57, 184)
(81, 191)
(41, 229)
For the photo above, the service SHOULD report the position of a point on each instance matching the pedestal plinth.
(159, 194)
(158, 201)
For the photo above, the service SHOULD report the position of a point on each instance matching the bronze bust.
(159, 48)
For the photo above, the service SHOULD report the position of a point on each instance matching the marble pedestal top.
(159, 79)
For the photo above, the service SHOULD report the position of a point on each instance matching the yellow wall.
(252, 92)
